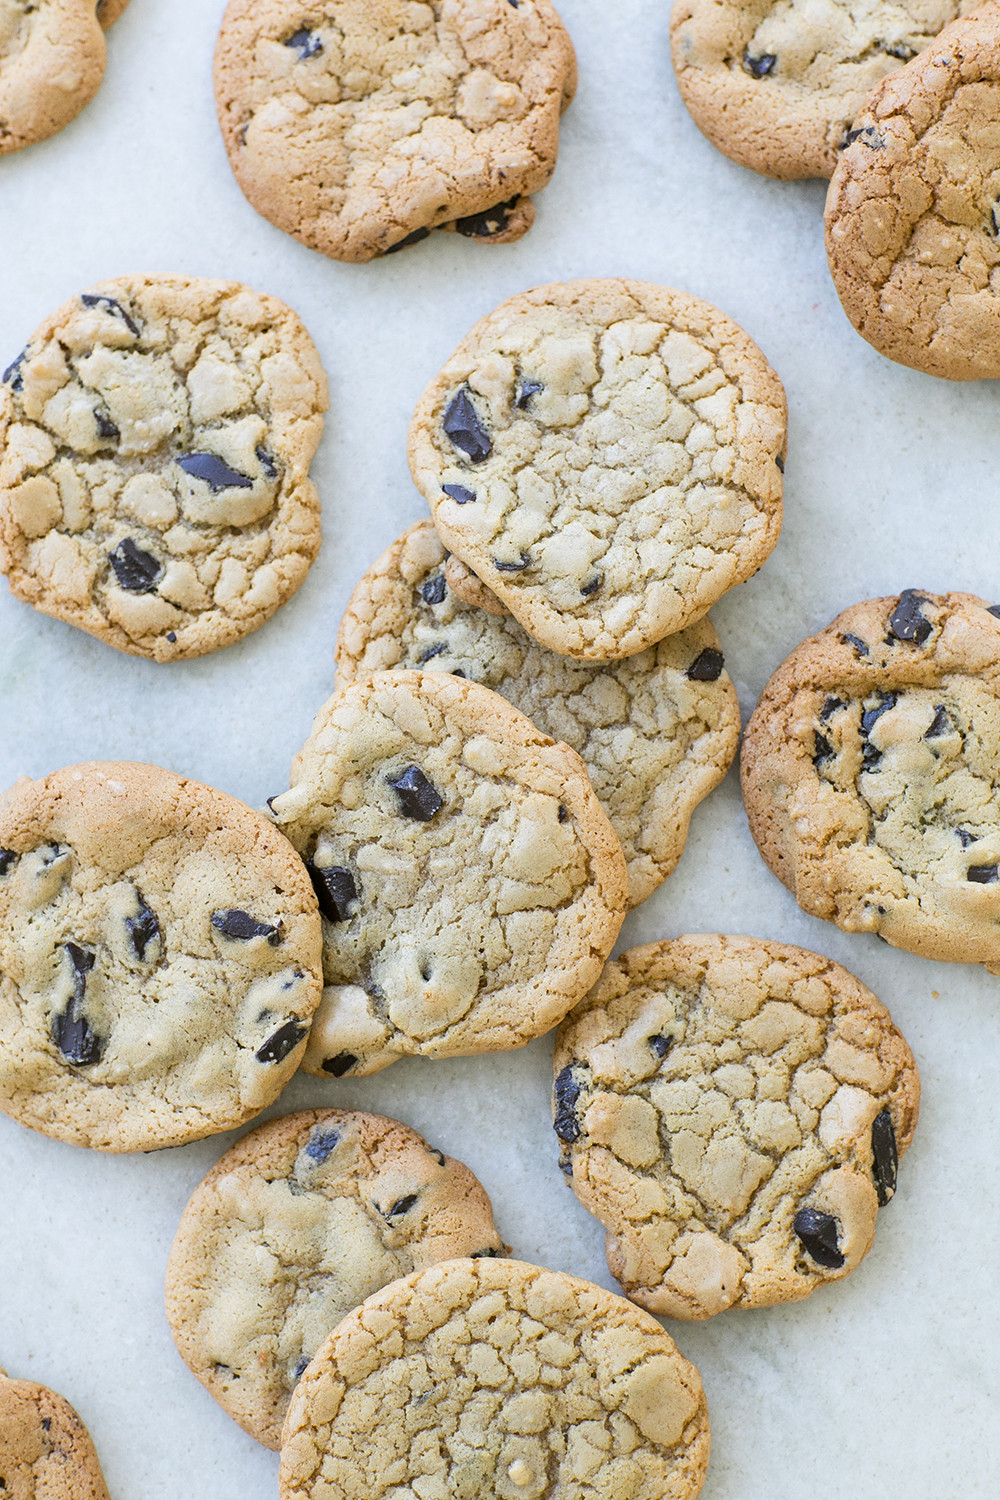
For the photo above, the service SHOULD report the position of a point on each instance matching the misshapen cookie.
(291, 1230)
(52, 56)
(159, 958)
(491, 1377)
(912, 216)
(46, 1453)
(470, 883)
(656, 731)
(733, 1112)
(871, 774)
(361, 125)
(155, 442)
(606, 456)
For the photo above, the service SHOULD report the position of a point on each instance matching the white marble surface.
(880, 1388)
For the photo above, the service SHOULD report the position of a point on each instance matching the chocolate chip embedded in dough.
(567, 1093)
(868, 136)
(464, 429)
(940, 724)
(12, 375)
(660, 1045)
(408, 240)
(72, 1033)
(759, 67)
(282, 1042)
(242, 926)
(339, 1065)
(8, 859)
(820, 1234)
(306, 43)
(92, 299)
(336, 889)
(105, 427)
(906, 622)
(857, 643)
(525, 390)
(885, 1156)
(434, 590)
(871, 716)
(983, 874)
(137, 571)
(322, 1143)
(210, 468)
(400, 1207)
(267, 462)
(418, 797)
(143, 928)
(707, 666)
(459, 493)
(513, 567)
(490, 221)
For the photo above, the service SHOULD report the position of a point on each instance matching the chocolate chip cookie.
(361, 125)
(52, 56)
(46, 1453)
(491, 1377)
(159, 958)
(294, 1227)
(913, 211)
(733, 1112)
(470, 883)
(871, 774)
(155, 442)
(656, 731)
(607, 457)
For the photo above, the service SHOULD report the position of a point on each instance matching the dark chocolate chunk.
(820, 1234)
(965, 838)
(400, 1207)
(660, 1045)
(12, 375)
(993, 609)
(592, 586)
(336, 888)
(429, 653)
(301, 1366)
(982, 874)
(459, 673)
(71, 1031)
(439, 1155)
(143, 928)
(868, 136)
(434, 590)
(105, 427)
(780, 462)
(267, 463)
(306, 43)
(940, 724)
(91, 299)
(902, 50)
(491, 221)
(283, 1041)
(241, 925)
(322, 1142)
(526, 389)
(830, 706)
(407, 241)
(759, 67)
(871, 716)
(137, 571)
(567, 1092)
(563, 814)
(210, 468)
(171, 636)
(8, 859)
(822, 749)
(418, 797)
(566, 1166)
(459, 493)
(906, 622)
(870, 757)
(513, 567)
(856, 642)
(707, 666)
(885, 1157)
(339, 1065)
(464, 430)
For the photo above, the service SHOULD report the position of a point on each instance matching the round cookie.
(159, 958)
(656, 731)
(46, 1453)
(607, 457)
(52, 58)
(291, 1230)
(155, 442)
(912, 213)
(777, 87)
(871, 774)
(732, 1111)
(470, 883)
(358, 126)
(491, 1377)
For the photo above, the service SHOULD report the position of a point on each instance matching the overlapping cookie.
(155, 441)
(606, 456)
(46, 1453)
(52, 57)
(733, 1111)
(871, 774)
(361, 125)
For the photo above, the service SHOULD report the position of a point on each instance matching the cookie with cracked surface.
(52, 58)
(656, 731)
(159, 957)
(46, 1453)
(470, 883)
(871, 774)
(733, 1112)
(913, 210)
(777, 87)
(358, 126)
(492, 1377)
(291, 1230)
(607, 457)
(155, 442)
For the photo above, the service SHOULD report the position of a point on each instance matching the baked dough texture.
(492, 1377)
(52, 57)
(871, 774)
(912, 216)
(108, 11)
(155, 442)
(606, 455)
(159, 958)
(46, 1453)
(732, 1110)
(292, 1229)
(361, 125)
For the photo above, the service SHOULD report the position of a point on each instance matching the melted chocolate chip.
(267, 463)
(136, 571)
(143, 928)
(12, 375)
(857, 643)
(306, 43)
(780, 462)
(71, 1031)
(8, 859)
(592, 586)
(105, 427)
(491, 221)
(418, 797)
(868, 136)
(339, 1065)
(408, 240)
(90, 299)
(822, 749)
(759, 67)
(567, 1092)
(513, 567)
(321, 1143)
(940, 724)
(526, 389)
(820, 1234)
(660, 1045)
(906, 622)
(871, 716)
(707, 666)
(885, 1157)
(434, 590)
(213, 471)
(459, 493)
(336, 889)
(400, 1207)
(830, 706)
(283, 1041)
(464, 429)
(983, 874)
(242, 926)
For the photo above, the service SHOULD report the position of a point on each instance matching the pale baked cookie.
(361, 125)
(733, 1112)
(159, 958)
(52, 56)
(777, 84)
(871, 774)
(155, 442)
(470, 883)
(656, 731)
(491, 1377)
(291, 1230)
(46, 1453)
(913, 211)
(607, 457)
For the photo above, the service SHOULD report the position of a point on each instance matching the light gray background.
(880, 1388)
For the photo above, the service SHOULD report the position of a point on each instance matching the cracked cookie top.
(470, 883)
(871, 774)
(733, 1112)
(607, 457)
(777, 84)
(52, 56)
(291, 1230)
(159, 958)
(492, 1377)
(361, 125)
(656, 731)
(46, 1453)
(913, 211)
(155, 441)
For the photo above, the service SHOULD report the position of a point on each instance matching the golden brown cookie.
(52, 56)
(46, 1453)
